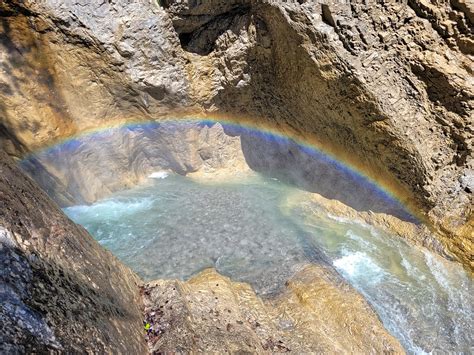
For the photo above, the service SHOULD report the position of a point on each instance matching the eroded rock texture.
(69, 65)
(317, 312)
(387, 86)
(59, 289)
(95, 166)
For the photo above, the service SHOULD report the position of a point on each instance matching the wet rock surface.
(387, 86)
(60, 290)
(317, 312)
(22, 328)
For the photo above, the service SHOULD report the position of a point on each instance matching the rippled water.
(174, 227)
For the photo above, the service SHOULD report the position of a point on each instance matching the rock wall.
(88, 168)
(69, 66)
(388, 86)
(60, 290)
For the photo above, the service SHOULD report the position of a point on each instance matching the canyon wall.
(385, 86)
(60, 290)
(92, 167)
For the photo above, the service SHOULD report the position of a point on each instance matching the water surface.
(174, 227)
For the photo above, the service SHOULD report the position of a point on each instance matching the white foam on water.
(459, 290)
(339, 219)
(361, 241)
(373, 231)
(346, 220)
(411, 270)
(438, 271)
(159, 175)
(359, 266)
(451, 277)
(419, 351)
(109, 209)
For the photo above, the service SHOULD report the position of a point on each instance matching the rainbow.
(383, 183)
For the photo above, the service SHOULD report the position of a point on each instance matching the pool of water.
(173, 227)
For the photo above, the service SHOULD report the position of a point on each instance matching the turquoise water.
(173, 227)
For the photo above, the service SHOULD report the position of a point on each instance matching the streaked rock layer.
(317, 312)
(60, 290)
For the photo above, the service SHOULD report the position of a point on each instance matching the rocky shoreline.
(317, 312)
(63, 292)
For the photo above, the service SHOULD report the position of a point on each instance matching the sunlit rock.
(316, 313)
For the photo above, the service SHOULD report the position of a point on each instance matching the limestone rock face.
(71, 65)
(393, 92)
(387, 87)
(316, 313)
(60, 290)
(91, 167)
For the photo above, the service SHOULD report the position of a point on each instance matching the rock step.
(317, 312)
